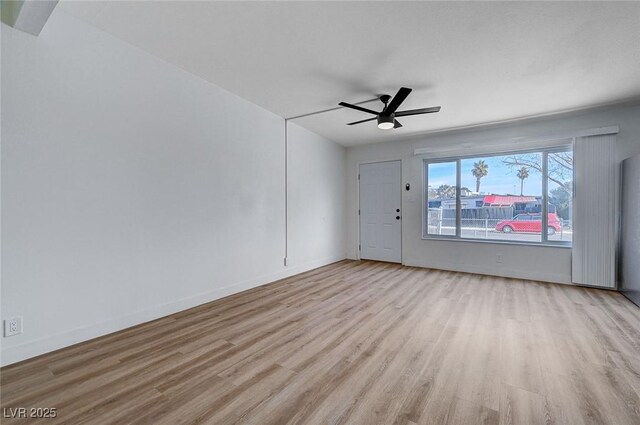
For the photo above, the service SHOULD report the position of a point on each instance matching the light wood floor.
(357, 343)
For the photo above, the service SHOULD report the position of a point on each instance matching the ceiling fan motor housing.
(386, 122)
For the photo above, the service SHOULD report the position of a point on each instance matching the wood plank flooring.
(356, 343)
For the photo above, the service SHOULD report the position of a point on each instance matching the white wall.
(132, 189)
(530, 262)
(630, 240)
(317, 197)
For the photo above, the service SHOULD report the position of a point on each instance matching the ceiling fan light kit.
(387, 117)
(385, 122)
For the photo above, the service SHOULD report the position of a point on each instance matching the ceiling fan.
(387, 117)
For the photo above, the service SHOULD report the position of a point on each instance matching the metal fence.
(485, 228)
(446, 226)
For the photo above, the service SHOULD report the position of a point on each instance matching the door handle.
(397, 217)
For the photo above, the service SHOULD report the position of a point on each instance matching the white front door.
(380, 211)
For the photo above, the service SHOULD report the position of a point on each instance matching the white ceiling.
(481, 61)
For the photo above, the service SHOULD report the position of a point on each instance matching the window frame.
(544, 236)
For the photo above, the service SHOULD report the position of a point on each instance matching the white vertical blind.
(595, 211)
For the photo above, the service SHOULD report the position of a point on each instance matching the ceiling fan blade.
(356, 107)
(397, 100)
(359, 122)
(396, 124)
(418, 111)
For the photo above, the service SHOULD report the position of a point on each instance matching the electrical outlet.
(13, 326)
(498, 258)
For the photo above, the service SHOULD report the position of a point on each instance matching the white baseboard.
(500, 272)
(492, 271)
(64, 339)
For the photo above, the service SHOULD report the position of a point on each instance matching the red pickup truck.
(529, 223)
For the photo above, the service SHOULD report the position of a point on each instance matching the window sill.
(498, 242)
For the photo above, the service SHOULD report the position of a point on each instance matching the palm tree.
(480, 169)
(523, 173)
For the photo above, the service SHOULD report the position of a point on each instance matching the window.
(441, 198)
(521, 197)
